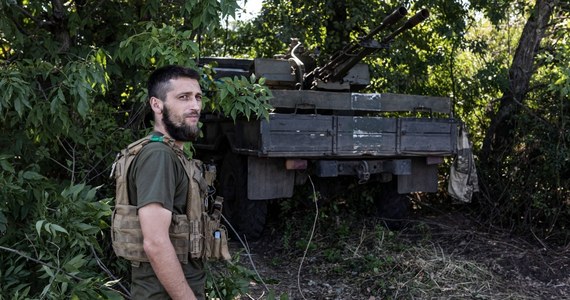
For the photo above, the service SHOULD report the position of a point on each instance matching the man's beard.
(184, 133)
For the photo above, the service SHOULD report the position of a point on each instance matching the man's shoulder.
(157, 145)
(157, 148)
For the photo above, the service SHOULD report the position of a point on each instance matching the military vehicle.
(322, 127)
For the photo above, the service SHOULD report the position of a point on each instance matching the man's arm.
(155, 221)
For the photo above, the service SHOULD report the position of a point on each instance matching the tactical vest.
(197, 233)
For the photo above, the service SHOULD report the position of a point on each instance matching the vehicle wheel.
(392, 208)
(246, 216)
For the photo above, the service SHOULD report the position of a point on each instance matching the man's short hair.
(158, 84)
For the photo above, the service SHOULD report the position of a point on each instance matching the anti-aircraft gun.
(343, 61)
(324, 129)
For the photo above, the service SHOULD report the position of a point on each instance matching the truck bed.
(342, 125)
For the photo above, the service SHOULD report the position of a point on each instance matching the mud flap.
(422, 179)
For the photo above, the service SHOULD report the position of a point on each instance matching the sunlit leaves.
(159, 46)
(240, 96)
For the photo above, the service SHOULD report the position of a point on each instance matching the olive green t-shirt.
(156, 175)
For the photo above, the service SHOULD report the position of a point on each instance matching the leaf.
(6, 166)
(18, 106)
(196, 22)
(251, 101)
(73, 191)
(64, 286)
(3, 223)
(91, 194)
(8, 95)
(231, 89)
(83, 105)
(30, 175)
(87, 228)
(48, 270)
(39, 226)
(239, 106)
(223, 94)
(56, 228)
(194, 46)
(75, 263)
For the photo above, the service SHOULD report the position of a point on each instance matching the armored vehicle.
(322, 127)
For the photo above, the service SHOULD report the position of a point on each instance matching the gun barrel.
(419, 17)
(416, 19)
(394, 17)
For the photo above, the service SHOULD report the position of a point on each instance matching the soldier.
(158, 186)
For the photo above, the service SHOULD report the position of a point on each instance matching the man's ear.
(156, 104)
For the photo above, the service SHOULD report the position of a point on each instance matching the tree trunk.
(500, 134)
(61, 27)
(337, 35)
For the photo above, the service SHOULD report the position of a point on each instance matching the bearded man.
(159, 187)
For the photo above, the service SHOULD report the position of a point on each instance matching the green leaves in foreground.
(59, 255)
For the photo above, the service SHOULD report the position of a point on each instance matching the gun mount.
(344, 60)
(341, 62)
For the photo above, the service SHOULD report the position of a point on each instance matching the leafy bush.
(71, 96)
(56, 251)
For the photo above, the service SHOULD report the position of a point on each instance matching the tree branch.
(39, 262)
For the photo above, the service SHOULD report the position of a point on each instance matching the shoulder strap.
(135, 147)
(125, 158)
(120, 167)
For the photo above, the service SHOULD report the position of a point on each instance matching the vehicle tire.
(246, 216)
(392, 208)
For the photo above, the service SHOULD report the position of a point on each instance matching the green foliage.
(158, 46)
(228, 281)
(242, 97)
(72, 79)
(56, 252)
(417, 62)
(321, 24)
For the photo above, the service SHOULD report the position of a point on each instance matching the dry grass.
(430, 273)
(440, 257)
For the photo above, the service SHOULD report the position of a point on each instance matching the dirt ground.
(448, 256)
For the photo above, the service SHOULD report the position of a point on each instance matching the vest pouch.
(127, 238)
(216, 241)
(179, 233)
(126, 233)
(223, 252)
(196, 239)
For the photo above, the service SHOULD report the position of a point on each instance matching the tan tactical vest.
(198, 232)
